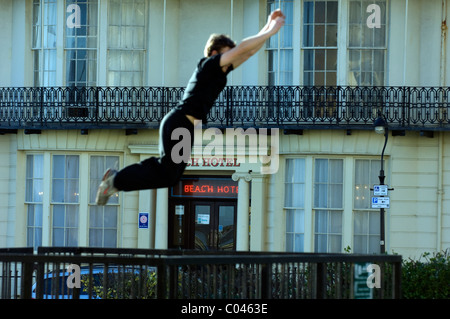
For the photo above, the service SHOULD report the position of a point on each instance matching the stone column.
(162, 218)
(259, 210)
(242, 224)
(147, 203)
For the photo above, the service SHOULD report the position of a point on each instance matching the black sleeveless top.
(205, 85)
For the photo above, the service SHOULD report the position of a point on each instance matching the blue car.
(118, 280)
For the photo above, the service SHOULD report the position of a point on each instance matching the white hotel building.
(84, 85)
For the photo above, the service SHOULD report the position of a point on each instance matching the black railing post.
(161, 289)
(164, 102)
(229, 106)
(27, 280)
(321, 280)
(406, 108)
(41, 112)
(338, 104)
(397, 280)
(40, 280)
(6, 280)
(266, 281)
(97, 104)
(173, 282)
(277, 109)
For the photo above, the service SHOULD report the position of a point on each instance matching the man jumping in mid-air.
(209, 79)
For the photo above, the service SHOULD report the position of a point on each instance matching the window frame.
(372, 49)
(316, 209)
(68, 204)
(280, 73)
(97, 55)
(326, 48)
(41, 51)
(83, 203)
(72, 53)
(366, 210)
(343, 48)
(103, 209)
(294, 209)
(140, 52)
(347, 211)
(35, 226)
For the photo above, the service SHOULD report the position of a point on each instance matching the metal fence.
(96, 273)
(247, 106)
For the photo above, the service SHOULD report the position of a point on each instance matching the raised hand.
(275, 21)
(249, 46)
(276, 13)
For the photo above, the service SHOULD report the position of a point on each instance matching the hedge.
(428, 277)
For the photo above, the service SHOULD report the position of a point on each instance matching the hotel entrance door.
(202, 214)
(214, 225)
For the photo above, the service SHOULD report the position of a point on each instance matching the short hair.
(217, 42)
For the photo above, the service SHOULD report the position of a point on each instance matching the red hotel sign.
(207, 187)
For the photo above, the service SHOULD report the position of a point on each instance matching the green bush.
(428, 277)
(122, 284)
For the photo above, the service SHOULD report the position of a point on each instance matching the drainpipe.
(444, 28)
(442, 83)
(231, 18)
(230, 77)
(163, 75)
(406, 42)
(440, 192)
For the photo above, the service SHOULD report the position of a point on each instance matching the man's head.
(216, 43)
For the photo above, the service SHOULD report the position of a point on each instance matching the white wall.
(6, 41)
(417, 221)
(414, 49)
(8, 155)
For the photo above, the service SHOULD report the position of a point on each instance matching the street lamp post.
(381, 127)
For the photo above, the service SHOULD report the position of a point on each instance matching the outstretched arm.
(251, 45)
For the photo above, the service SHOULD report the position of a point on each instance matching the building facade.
(289, 157)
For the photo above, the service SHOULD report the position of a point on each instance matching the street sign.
(179, 210)
(380, 190)
(380, 202)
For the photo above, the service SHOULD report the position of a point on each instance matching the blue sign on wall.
(143, 220)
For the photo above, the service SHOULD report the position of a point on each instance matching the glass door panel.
(203, 229)
(225, 228)
(214, 225)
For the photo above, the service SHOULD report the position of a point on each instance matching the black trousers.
(166, 170)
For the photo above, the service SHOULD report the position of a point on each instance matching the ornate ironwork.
(288, 107)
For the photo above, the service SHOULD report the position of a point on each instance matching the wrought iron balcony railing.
(288, 107)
